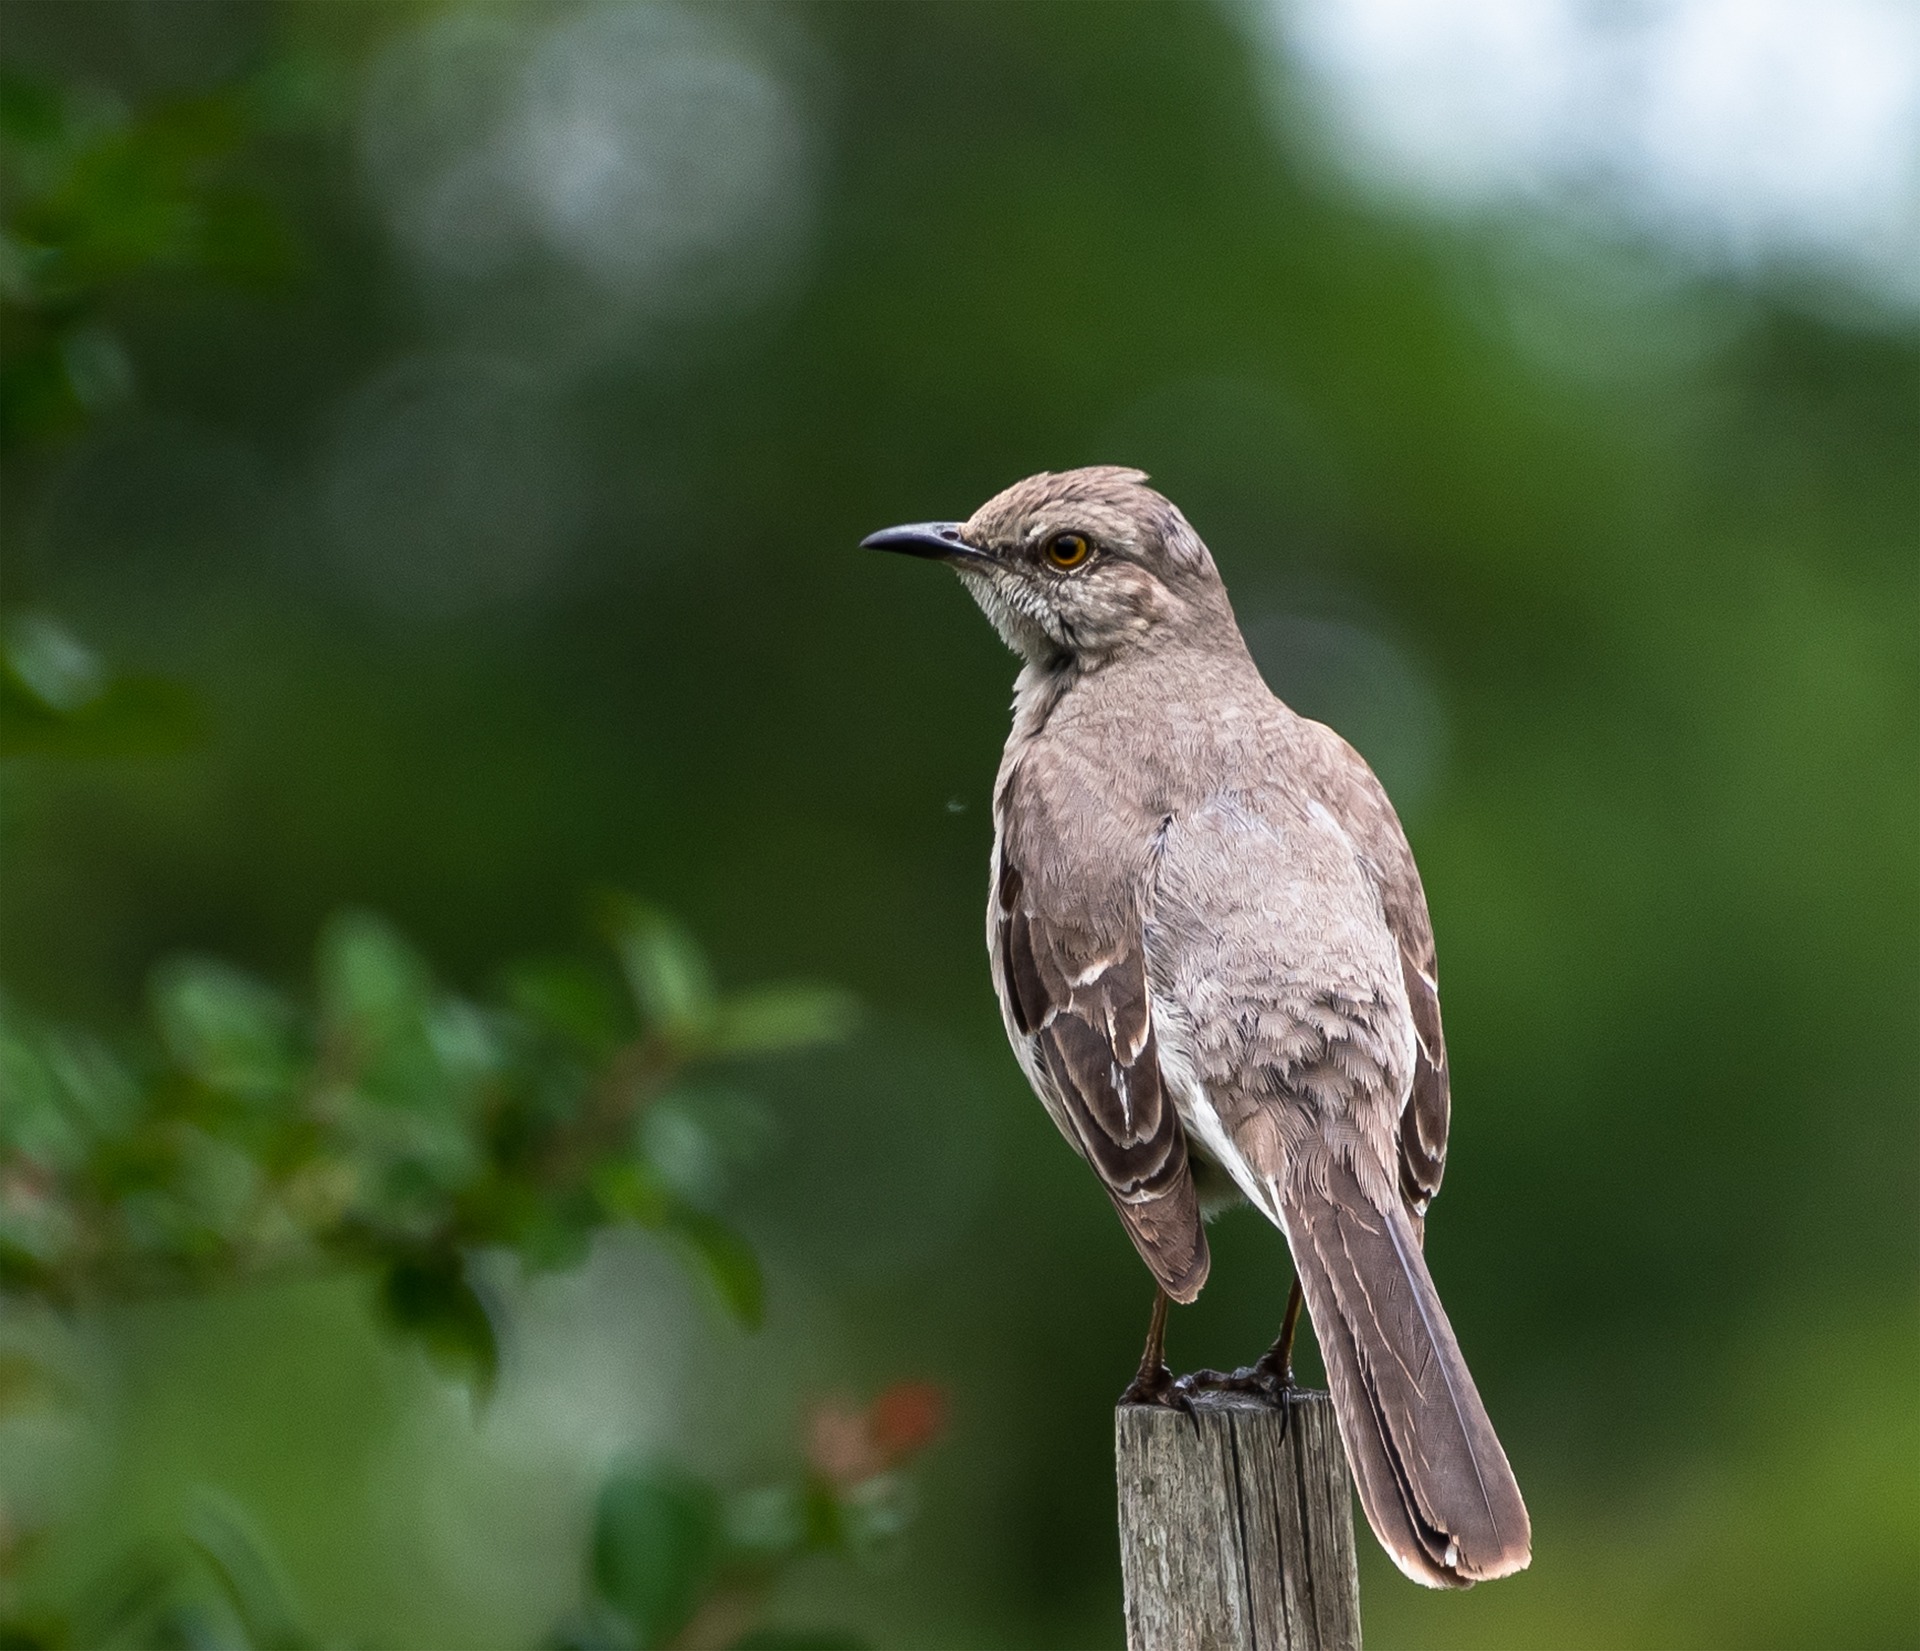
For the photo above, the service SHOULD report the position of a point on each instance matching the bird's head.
(1079, 566)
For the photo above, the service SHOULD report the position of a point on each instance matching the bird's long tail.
(1432, 1476)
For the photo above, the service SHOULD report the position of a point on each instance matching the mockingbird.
(1216, 969)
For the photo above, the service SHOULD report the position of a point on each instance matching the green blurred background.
(481, 440)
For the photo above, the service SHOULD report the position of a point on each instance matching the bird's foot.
(1270, 1382)
(1154, 1385)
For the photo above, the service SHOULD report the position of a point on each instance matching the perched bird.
(1216, 969)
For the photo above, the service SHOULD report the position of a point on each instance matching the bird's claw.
(1155, 1386)
(1274, 1385)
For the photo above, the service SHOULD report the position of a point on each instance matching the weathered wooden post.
(1236, 1526)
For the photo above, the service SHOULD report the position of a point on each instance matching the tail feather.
(1433, 1479)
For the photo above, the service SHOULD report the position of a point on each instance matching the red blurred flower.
(840, 1444)
(906, 1418)
(849, 1447)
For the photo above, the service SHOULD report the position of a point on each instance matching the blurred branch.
(637, 1074)
(387, 1122)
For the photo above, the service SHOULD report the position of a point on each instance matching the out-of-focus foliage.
(470, 412)
(56, 699)
(92, 194)
(392, 1125)
(211, 1583)
(675, 1563)
(387, 1122)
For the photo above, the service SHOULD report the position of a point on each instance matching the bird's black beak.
(937, 541)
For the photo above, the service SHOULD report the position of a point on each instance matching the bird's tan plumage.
(1212, 951)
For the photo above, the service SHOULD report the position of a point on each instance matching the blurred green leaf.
(231, 1031)
(630, 1190)
(432, 1298)
(373, 985)
(767, 1523)
(216, 1186)
(826, 1520)
(465, 1038)
(37, 1120)
(776, 1019)
(123, 1603)
(98, 1090)
(665, 969)
(220, 1529)
(566, 997)
(97, 196)
(411, 1158)
(555, 1234)
(51, 663)
(728, 1261)
(698, 1138)
(656, 1549)
(683, 1151)
(875, 1512)
(395, 1041)
(210, 1585)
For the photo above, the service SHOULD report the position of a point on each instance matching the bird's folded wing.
(1424, 1119)
(1083, 1003)
(1357, 801)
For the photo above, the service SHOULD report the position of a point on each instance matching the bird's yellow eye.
(1068, 550)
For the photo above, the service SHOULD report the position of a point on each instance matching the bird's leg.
(1271, 1375)
(1277, 1362)
(1153, 1384)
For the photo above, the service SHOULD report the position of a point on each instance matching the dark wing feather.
(1091, 1023)
(1424, 1119)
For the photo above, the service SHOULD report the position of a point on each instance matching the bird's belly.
(1222, 1176)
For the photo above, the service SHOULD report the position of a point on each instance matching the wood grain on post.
(1236, 1527)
